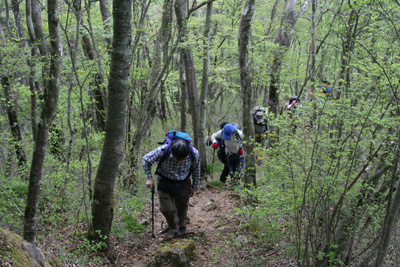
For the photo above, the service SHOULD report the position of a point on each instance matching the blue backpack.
(170, 138)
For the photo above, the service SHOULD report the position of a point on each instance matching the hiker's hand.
(240, 152)
(208, 138)
(192, 191)
(215, 145)
(150, 183)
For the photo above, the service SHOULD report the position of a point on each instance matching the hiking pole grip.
(152, 212)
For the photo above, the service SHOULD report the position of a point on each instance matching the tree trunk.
(105, 16)
(47, 115)
(40, 41)
(34, 85)
(283, 39)
(347, 49)
(391, 215)
(181, 10)
(113, 148)
(203, 94)
(247, 92)
(15, 129)
(183, 102)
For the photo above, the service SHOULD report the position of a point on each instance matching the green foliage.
(131, 209)
(309, 182)
(218, 184)
(12, 200)
(234, 251)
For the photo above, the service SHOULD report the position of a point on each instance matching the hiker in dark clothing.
(261, 127)
(232, 142)
(221, 155)
(173, 184)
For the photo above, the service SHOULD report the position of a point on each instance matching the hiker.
(292, 109)
(231, 140)
(173, 184)
(261, 127)
(221, 155)
(326, 89)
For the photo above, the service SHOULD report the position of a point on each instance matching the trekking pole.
(212, 168)
(152, 212)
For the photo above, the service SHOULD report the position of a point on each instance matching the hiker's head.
(260, 116)
(222, 125)
(229, 129)
(180, 150)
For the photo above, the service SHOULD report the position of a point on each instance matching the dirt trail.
(210, 226)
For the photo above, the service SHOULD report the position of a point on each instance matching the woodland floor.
(215, 231)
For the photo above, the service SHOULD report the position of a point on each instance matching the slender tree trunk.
(283, 40)
(247, 92)
(181, 11)
(391, 215)
(347, 49)
(105, 16)
(7, 21)
(203, 94)
(36, 15)
(183, 102)
(34, 85)
(113, 148)
(47, 115)
(15, 128)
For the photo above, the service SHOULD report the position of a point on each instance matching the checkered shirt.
(171, 168)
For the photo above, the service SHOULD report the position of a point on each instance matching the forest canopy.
(89, 87)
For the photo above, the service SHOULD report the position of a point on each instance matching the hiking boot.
(174, 233)
(183, 233)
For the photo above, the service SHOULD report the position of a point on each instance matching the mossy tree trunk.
(247, 92)
(113, 147)
(47, 116)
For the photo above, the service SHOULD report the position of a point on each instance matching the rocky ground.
(219, 236)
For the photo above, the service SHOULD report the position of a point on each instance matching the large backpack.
(257, 109)
(170, 138)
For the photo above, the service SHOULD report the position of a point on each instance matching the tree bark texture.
(34, 85)
(15, 127)
(183, 99)
(247, 93)
(105, 15)
(47, 115)
(113, 148)
(203, 93)
(392, 217)
(181, 11)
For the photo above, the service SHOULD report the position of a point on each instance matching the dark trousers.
(224, 173)
(236, 165)
(174, 207)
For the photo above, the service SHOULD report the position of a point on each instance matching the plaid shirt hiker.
(171, 168)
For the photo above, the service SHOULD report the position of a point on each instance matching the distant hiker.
(231, 140)
(261, 127)
(293, 111)
(221, 154)
(326, 89)
(177, 161)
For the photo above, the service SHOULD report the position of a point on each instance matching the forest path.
(212, 229)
